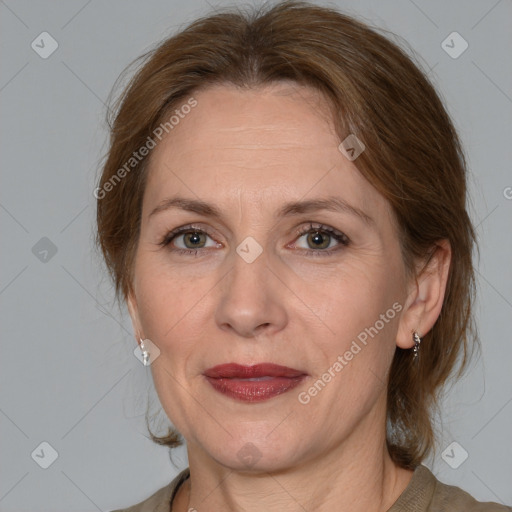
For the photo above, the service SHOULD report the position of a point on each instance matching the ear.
(425, 297)
(133, 310)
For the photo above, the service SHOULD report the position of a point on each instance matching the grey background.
(68, 373)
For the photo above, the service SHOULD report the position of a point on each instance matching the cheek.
(172, 311)
(361, 306)
(355, 294)
(161, 299)
(363, 312)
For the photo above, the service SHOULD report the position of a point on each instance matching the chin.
(256, 454)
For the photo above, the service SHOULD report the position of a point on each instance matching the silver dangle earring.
(145, 353)
(417, 341)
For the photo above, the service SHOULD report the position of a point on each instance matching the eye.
(321, 239)
(187, 239)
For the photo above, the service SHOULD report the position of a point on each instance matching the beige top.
(424, 493)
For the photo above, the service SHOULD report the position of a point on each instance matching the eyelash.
(337, 235)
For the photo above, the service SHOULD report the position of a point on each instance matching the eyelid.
(340, 237)
(310, 226)
(323, 228)
(182, 230)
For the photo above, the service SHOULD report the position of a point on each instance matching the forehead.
(274, 143)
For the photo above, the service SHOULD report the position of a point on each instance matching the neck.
(356, 475)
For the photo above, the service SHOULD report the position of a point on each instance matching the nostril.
(262, 326)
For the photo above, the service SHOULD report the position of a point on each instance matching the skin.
(248, 152)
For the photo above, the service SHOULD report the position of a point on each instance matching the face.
(264, 273)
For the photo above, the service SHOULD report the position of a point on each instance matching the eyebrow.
(334, 204)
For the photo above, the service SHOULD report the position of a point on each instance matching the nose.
(252, 298)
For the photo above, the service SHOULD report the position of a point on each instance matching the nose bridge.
(250, 269)
(250, 265)
(249, 296)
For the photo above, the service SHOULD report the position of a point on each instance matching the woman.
(283, 210)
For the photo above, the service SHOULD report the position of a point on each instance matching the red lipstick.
(253, 383)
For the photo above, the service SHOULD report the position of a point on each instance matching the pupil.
(195, 238)
(318, 239)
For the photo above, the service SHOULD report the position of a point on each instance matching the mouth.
(253, 383)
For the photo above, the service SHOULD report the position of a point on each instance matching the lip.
(238, 371)
(253, 383)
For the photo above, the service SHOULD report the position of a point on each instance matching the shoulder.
(160, 500)
(425, 493)
(449, 497)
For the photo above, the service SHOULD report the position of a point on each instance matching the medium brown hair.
(413, 157)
